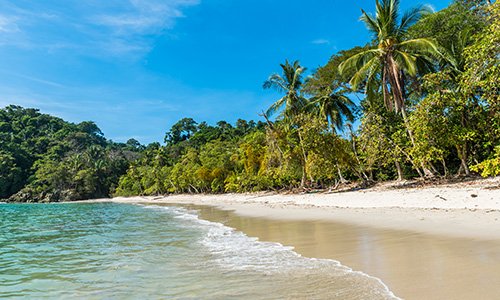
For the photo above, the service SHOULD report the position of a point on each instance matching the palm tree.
(291, 104)
(393, 57)
(334, 107)
(289, 83)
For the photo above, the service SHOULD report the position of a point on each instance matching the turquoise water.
(120, 251)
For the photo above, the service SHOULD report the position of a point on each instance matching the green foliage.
(452, 28)
(447, 121)
(289, 83)
(181, 131)
(43, 158)
(431, 107)
(393, 55)
(203, 162)
(252, 159)
(417, 67)
(378, 148)
(11, 179)
(489, 167)
(482, 61)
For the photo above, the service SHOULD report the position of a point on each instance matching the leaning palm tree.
(289, 83)
(393, 57)
(334, 107)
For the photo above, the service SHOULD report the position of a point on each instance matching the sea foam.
(234, 251)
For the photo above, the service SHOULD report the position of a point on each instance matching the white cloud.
(145, 16)
(8, 24)
(321, 42)
(97, 28)
(125, 23)
(37, 80)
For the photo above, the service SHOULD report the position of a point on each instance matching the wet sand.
(413, 265)
(435, 242)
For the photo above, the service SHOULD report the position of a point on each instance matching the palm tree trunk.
(395, 78)
(466, 167)
(341, 178)
(462, 153)
(406, 154)
(407, 126)
(393, 74)
(445, 168)
(304, 162)
(303, 180)
(399, 170)
(427, 171)
(355, 151)
(271, 128)
(462, 149)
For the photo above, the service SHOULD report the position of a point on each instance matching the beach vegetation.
(421, 99)
(44, 158)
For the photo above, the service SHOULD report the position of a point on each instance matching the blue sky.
(135, 67)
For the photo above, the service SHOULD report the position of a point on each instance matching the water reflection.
(413, 265)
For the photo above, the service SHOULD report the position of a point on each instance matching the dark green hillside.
(44, 158)
(421, 99)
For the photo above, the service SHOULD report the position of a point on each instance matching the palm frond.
(412, 16)
(358, 60)
(275, 107)
(407, 62)
(372, 84)
(393, 16)
(454, 59)
(370, 23)
(425, 65)
(276, 82)
(420, 45)
(364, 72)
(333, 106)
(346, 106)
(289, 83)
(348, 111)
(297, 77)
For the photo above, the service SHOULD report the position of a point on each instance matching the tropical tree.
(482, 67)
(481, 76)
(290, 106)
(181, 131)
(289, 83)
(330, 91)
(334, 107)
(393, 57)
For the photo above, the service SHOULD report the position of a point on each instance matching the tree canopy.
(420, 100)
(43, 158)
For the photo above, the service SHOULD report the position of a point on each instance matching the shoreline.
(419, 245)
(411, 265)
(467, 210)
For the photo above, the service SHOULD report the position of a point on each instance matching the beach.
(203, 150)
(429, 242)
(466, 210)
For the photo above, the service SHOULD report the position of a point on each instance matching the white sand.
(469, 209)
(455, 258)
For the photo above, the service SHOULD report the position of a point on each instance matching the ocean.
(125, 251)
